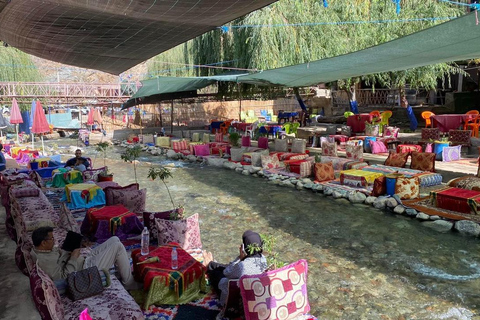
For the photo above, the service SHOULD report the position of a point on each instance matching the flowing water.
(363, 263)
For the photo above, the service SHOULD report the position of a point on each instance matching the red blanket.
(114, 214)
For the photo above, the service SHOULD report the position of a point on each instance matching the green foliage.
(318, 158)
(163, 174)
(272, 47)
(273, 261)
(234, 139)
(131, 155)
(16, 65)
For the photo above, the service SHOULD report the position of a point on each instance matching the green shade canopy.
(111, 35)
(455, 40)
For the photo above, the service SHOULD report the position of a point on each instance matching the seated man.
(78, 163)
(58, 263)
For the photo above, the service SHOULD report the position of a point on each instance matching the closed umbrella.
(15, 116)
(40, 123)
(97, 117)
(32, 113)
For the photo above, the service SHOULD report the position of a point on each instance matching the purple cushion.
(186, 232)
(246, 141)
(149, 220)
(202, 150)
(108, 191)
(263, 142)
(133, 200)
(45, 295)
(451, 153)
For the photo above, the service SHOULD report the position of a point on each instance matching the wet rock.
(439, 225)
(237, 169)
(327, 191)
(172, 155)
(391, 203)
(379, 203)
(467, 227)
(255, 169)
(308, 185)
(255, 175)
(357, 197)
(228, 165)
(260, 173)
(422, 216)
(306, 181)
(215, 162)
(337, 195)
(287, 183)
(299, 185)
(318, 187)
(434, 218)
(399, 209)
(293, 181)
(411, 212)
(245, 173)
(370, 200)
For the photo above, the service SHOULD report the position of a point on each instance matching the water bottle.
(174, 259)
(145, 242)
(163, 132)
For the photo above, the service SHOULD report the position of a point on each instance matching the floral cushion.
(407, 188)
(92, 174)
(281, 145)
(451, 153)
(45, 295)
(186, 232)
(201, 150)
(299, 145)
(25, 192)
(430, 133)
(263, 142)
(354, 152)
(108, 192)
(150, 217)
(114, 303)
(389, 131)
(329, 149)
(23, 259)
(324, 171)
(424, 161)
(378, 147)
(396, 160)
(277, 294)
(132, 200)
(270, 162)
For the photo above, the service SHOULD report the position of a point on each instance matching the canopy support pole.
(239, 102)
(171, 119)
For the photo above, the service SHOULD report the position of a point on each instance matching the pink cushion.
(270, 162)
(45, 295)
(263, 142)
(246, 141)
(202, 150)
(179, 145)
(378, 147)
(132, 200)
(451, 153)
(277, 294)
(218, 137)
(108, 192)
(186, 232)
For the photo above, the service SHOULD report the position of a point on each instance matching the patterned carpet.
(424, 205)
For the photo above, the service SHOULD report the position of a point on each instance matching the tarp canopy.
(456, 40)
(111, 35)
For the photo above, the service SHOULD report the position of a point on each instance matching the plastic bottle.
(174, 259)
(145, 242)
(163, 132)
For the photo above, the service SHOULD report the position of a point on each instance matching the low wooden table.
(164, 285)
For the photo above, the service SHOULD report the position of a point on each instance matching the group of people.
(58, 263)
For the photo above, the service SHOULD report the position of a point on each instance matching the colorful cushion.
(429, 147)
(451, 153)
(281, 145)
(195, 137)
(378, 147)
(354, 152)
(219, 137)
(45, 295)
(430, 133)
(256, 157)
(180, 145)
(270, 162)
(133, 200)
(379, 186)
(149, 220)
(163, 142)
(263, 142)
(324, 171)
(407, 188)
(462, 137)
(408, 148)
(246, 142)
(329, 149)
(108, 192)
(92, 174)
(202, 150)
(396, 160)
(277, 294)
(25, 192)
(424, 161)
(391, 131)
(299, 145)
(186, 232)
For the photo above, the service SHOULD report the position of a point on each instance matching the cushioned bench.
(427, 179)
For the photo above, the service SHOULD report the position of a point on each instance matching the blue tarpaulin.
(26, 125)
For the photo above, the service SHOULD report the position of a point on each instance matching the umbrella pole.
(43, 146)
(33, 139)
(16, 131)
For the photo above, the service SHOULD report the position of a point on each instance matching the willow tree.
(16, 65)
(290, 32)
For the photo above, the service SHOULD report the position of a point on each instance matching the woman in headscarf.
(250, 261)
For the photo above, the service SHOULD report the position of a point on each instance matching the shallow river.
(363, 263)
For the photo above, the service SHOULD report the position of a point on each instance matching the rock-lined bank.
(386, 203)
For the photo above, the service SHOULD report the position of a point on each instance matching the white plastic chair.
(250, 130)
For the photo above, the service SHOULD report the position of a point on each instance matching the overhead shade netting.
(111, 35)
(456, 40)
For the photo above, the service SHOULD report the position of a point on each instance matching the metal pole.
(171, 119)
(240, 102)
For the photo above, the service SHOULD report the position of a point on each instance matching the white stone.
(337, 195)
(370, 200)
(256, 169)
(293, 181)
(327, 191)
(391, 203)
(439, 225)
(399, 209)
(411, 212)
(260, 173)
(357, 197)
(379, 203)
(239, 169)
(468, 227)
(216, 162)
(306, 181)
(172, 154)
(245, 173)
(434, 218)
(308, 185)
(422, 216)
